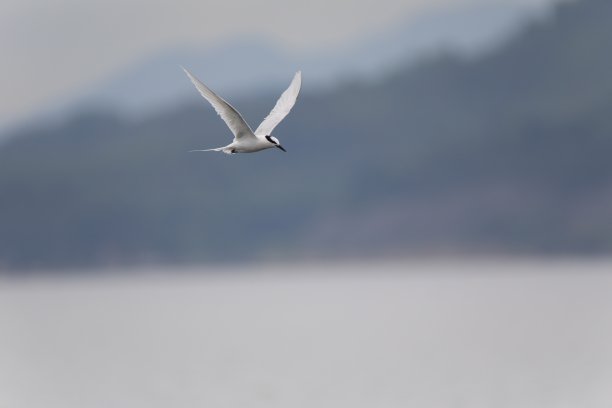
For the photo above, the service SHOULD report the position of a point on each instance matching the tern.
(245, 140)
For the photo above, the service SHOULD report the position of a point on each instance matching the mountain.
(249, 65)
(504, 153)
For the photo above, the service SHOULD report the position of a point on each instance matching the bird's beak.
(282, 148)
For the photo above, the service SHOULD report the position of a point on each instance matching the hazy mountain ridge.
(506, 154)
(155, 83)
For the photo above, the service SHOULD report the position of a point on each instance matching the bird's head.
(275, 142)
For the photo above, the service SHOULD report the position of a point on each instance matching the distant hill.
(507, 153)
(156, 83)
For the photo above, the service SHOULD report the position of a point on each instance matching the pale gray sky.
(57, 47)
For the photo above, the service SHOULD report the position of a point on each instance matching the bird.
(245, 140)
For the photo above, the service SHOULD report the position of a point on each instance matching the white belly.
(247, 146)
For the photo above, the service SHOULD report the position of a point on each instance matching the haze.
(59, 47)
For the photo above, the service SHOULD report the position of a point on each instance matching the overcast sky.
(55, 47)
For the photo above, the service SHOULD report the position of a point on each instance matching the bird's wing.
(282, 107)
(230, 116)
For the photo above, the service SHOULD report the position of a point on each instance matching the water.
(472, 334)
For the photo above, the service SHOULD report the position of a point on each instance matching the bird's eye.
(270, 139)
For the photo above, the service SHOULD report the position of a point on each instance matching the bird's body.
(250, 144)
(245, 140)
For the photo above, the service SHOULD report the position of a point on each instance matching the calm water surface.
(415, 334)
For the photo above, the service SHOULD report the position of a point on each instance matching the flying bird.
(245, 140)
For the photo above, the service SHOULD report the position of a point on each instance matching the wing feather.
(282, 107)
(230, 116)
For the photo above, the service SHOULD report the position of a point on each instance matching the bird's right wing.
(230, 116)
(282, 107)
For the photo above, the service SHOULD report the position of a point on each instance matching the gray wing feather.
(230, 116)
(282, 107)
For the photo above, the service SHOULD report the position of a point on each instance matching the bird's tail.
(224, 149)
(218, 149)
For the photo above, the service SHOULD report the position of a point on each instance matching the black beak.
(281, 147)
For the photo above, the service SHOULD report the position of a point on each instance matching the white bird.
(245, 140)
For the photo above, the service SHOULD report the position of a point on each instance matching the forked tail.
(224, 149)
(218, 149)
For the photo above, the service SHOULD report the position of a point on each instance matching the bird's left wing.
(282, 107)
(230, 116)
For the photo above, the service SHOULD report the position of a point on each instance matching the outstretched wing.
(282, 107)
(230, 116)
